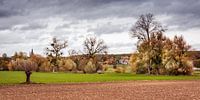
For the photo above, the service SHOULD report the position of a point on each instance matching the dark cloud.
(4, 13)
(24, 21)
(94, 9)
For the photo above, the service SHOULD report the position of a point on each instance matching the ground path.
(131, 90)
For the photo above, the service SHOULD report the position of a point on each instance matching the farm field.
(129, 90)
(17, 77)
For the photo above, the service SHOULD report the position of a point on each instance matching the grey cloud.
(184, 22)
(184, 14)
(63, 26)
(10, 8)
(109, 7)
(94, 9)
(34, 26)
(4, 27)
(9, 22)
(108, 29)
(68, 25)
(4, 13)
(11, 39)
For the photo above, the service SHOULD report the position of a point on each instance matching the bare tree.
(72, 52)
(143, 29)
(55, 51)
(92, 46)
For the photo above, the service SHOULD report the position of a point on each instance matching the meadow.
(17, 77)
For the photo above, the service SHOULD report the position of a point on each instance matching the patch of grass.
(16, 77)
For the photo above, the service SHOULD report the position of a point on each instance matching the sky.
(31, 24)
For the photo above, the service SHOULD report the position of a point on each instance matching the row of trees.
(55, 61)
(156, 53)
(83, 60)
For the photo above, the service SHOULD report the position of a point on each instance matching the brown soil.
(132, 90)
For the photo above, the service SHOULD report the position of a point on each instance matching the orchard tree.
(21, 62)
(144, 28)
(26, 65)
(54, 52)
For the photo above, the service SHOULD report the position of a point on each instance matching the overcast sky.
(27, 24)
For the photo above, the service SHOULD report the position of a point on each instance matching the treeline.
(87, 61)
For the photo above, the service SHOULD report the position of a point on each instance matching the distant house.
(124, 60)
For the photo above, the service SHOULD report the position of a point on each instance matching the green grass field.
(16, 77)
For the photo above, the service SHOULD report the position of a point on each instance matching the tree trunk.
(28, 75)
(53, 69)
(37, 70)
(157, 71)
(149, 42)
(149, 66)
(149, 69)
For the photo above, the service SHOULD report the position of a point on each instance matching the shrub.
(67, 65)
(187, 67)
(45, 66)
(4, 63)
(16, 65)
(141, 70)
(179, 68)
(136, 64)
(90, 68)
(105, 67)
(197, 63)
(120, 70)
(10, 66)
(81, 63)
(38, 59)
